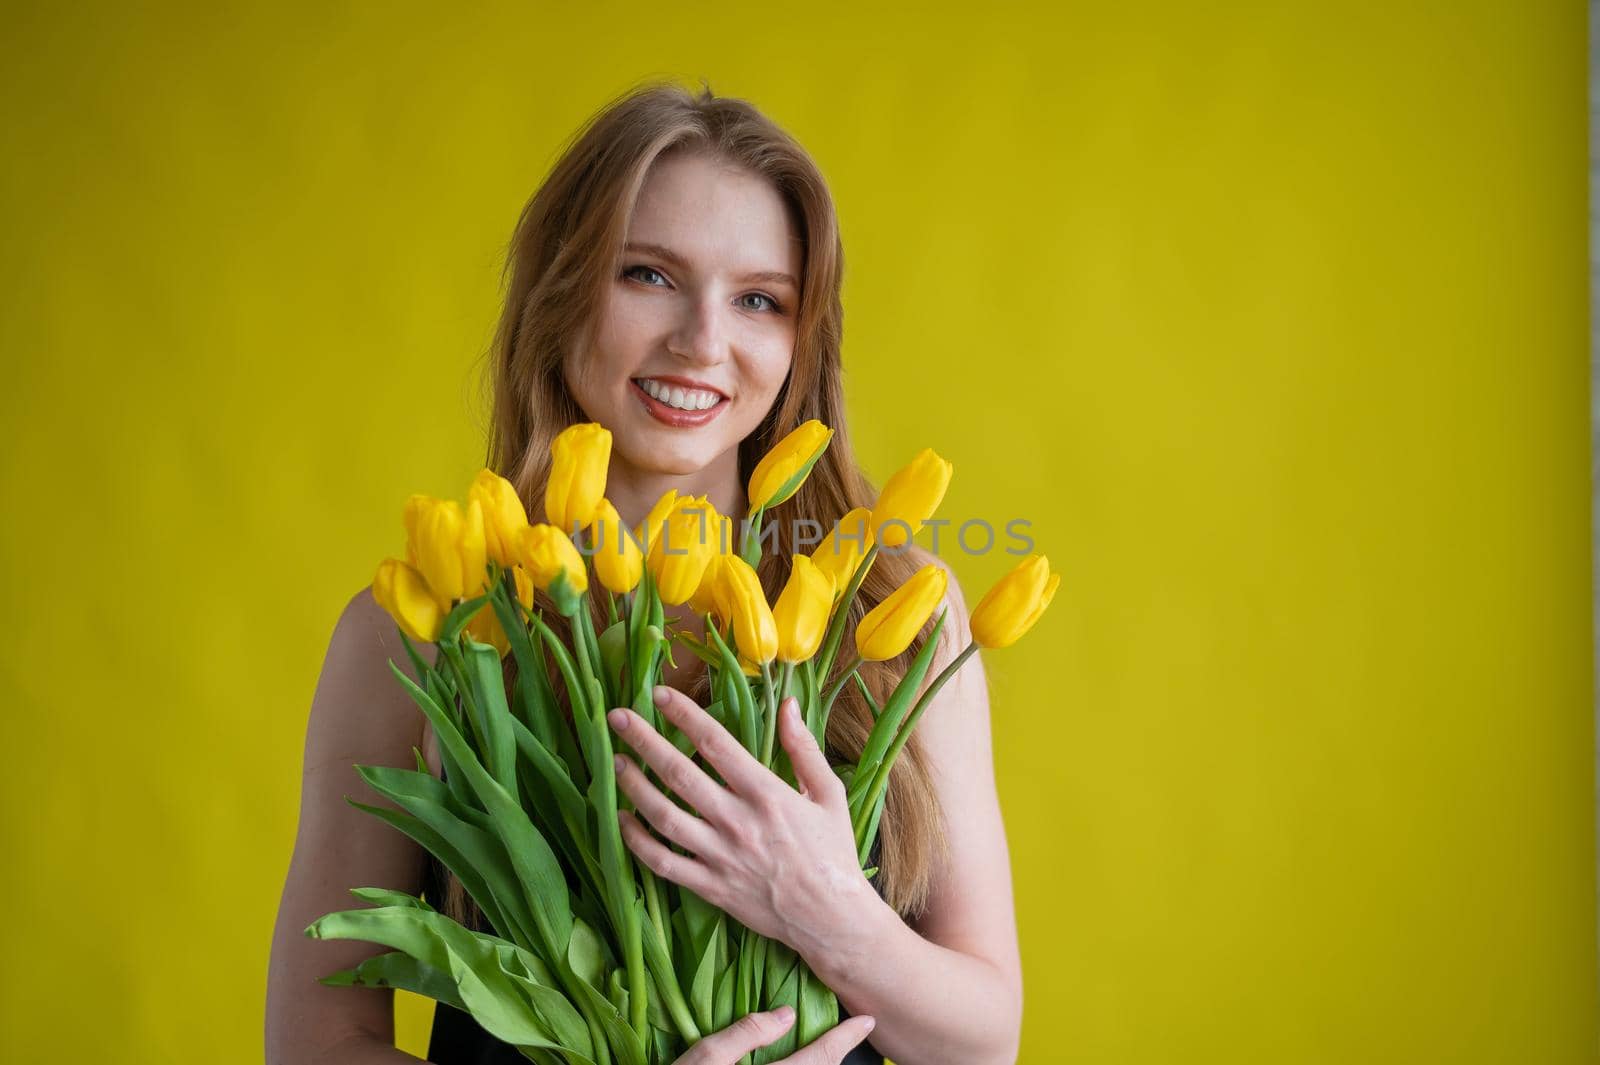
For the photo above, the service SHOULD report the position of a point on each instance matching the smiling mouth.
(679, 397)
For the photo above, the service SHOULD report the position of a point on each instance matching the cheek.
(769, 369)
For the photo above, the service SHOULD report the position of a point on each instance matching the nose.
(701, 336)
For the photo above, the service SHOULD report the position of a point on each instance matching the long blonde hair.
(566, 248)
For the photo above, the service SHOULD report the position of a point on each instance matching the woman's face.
(696, 332)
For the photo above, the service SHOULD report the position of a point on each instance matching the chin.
(680, 461)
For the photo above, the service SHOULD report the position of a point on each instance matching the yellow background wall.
(1270, 319)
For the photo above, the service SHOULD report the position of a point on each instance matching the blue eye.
(763, 296)
(647, 269)
(772, 304)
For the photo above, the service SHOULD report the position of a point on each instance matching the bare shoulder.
(359, 706)
(360, 715)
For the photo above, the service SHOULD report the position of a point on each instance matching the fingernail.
(872, 1022)
(661, 694)
(618, 719)
(785, 1013)
(620, 762)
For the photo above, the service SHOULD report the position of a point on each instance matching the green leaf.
(659, 965)
(502, 1002)
(587, 961)
(888, 722)
(722, 1005)
(614, 658)
(738, 694)
(817, 1009)
(544, 885)
(398, 969)
(489, 694)
(702, 992)
(386, 897)
(782, 989)
(457, 619)
(475, 856)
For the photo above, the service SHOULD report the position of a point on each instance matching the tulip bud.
(754, 629)
(648, 531)
(555, 565)
(524, 585)
(485, 627)
(801, 612)
(581, 456)
(889, 627)
(708, 597)
(910, 497)
(782, 471)
(448, 544)
(679, 555)
(842, 550)
(618, 561)
(504, 516)
(405, 594)
(416, 505)
(1009, 609)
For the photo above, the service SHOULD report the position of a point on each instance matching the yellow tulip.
(910, 497)
(801, 612)
(1009, 609)
(721, 532)
(484, 626)
(548, 553)
(889, 627)
(754, 629)
(782, 471)
(504, 516)
(580, 458)
(416, 505)
(649, 531)
(405, 594)
(448, 544)
(842, 550)
(708, 597)
(618, 561)
(524, 586)
(686, 545)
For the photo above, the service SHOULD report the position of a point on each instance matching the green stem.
(770, 726)
(838, 686)
(881, 779)
(830, 643)
(469, 706)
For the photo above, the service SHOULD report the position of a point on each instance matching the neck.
(634, 491)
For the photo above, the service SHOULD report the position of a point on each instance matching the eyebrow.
(668, 255)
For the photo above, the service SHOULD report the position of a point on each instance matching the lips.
(672, 416)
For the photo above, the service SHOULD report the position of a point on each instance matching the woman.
(676, 278)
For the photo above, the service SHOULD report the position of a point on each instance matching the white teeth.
(681, 398)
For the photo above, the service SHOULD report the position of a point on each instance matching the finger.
(676, 769)
(740, 1038)
(716, 744)
(665, 816)
(831, 1046)
(664, 861)
(811, 769)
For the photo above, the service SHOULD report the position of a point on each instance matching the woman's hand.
(759, 1029)
(781, 862)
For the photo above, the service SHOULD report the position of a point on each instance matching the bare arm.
(359, 714)
(948, 990)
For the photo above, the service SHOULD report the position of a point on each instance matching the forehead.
(720, 218)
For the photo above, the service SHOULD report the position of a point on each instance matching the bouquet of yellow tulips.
(592, 959)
